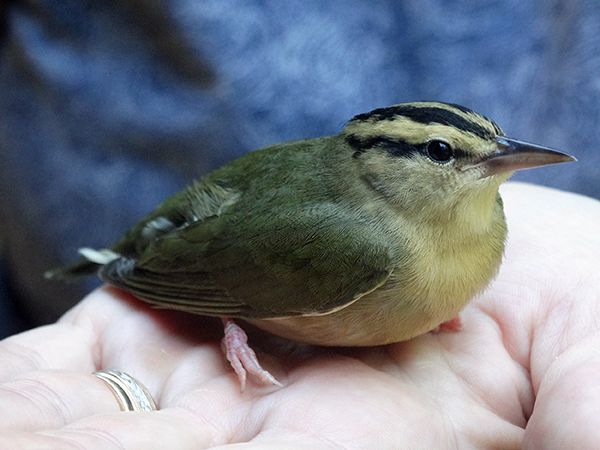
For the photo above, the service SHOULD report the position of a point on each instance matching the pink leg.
(453, 325)
(241, 356)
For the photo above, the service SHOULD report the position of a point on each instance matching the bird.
(373, 236)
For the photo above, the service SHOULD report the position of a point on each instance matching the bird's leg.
(453, 325)
(241, 357)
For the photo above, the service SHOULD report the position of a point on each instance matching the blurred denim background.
(109, 106)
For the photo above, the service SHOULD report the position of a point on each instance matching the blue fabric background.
(109, 106)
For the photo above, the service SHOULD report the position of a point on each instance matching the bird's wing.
(273, 263)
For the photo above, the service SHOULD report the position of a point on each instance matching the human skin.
(524, 372)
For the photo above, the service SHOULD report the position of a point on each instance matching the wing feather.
(269, 261)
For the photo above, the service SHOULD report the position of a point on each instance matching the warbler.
(375, 235)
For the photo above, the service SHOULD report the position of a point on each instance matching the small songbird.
(375, 235)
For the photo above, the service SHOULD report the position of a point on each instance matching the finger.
(121, 431)
(550, 311)
(45, 400)
(69, 344)
(284, 443)
(567, 408)
(301, 443)
(56, 346)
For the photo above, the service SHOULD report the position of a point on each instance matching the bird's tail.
(88, 265)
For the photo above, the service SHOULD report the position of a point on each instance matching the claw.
(453, 325)
(241, 357)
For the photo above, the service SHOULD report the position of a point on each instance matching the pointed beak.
(512, 155)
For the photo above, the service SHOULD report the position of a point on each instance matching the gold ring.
(129, 392)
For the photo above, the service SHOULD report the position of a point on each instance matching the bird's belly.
(410, 303)
(343, 330)
(355, 326)
(374, 319)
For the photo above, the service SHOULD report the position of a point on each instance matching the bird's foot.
(453, 325)
(241, 357)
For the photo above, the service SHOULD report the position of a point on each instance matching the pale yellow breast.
(435, 278)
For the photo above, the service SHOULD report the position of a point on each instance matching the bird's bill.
(512, 155)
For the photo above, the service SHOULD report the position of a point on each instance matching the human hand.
(523, 373)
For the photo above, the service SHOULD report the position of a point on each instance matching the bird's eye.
(439, 151)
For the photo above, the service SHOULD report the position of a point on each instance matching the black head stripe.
(394, 147)
(430, 114)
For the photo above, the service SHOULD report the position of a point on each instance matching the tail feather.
(79, 269)
(88, 265)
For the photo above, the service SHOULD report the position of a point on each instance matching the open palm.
(523, 373)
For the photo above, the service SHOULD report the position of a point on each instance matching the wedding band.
(129, 392)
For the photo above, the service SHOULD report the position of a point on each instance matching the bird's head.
(437, 160)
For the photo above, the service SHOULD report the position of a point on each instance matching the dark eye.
(439, 151)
